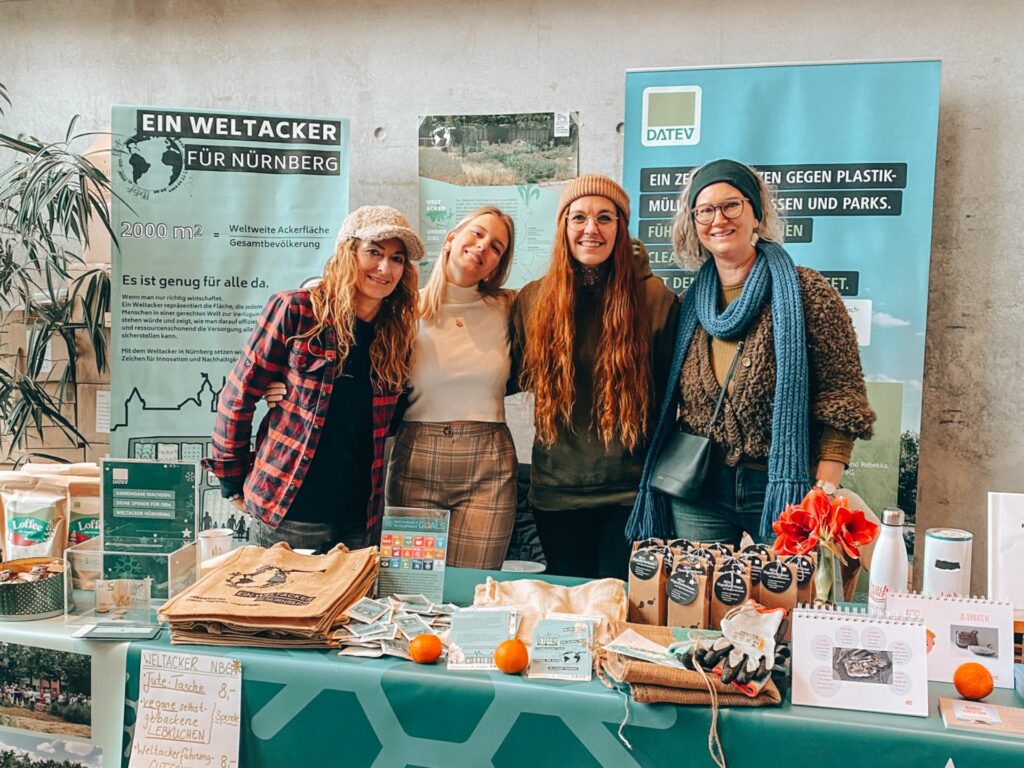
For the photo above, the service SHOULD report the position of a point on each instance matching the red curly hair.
(622, 376)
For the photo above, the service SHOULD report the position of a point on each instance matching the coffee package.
(648, 572)
(778, 588)
(805, 568)
(687, 593)
(756, 562)
(35, 515)
(719, 549)
(79, 469)
(766, 552)
(730, 588)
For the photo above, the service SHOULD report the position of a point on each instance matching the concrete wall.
(385, 63)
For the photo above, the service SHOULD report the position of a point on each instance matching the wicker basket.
(27, 600)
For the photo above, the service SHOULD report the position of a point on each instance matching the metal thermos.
(889, 565)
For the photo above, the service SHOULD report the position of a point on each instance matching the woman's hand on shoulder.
(275, 393)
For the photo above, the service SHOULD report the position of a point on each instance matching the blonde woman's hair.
(333, 300)
(436, 289)
(622, 377)
(689, 252)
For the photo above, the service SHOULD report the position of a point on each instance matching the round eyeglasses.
(731, 209)
(578, 221)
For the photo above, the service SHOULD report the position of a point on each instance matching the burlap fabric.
(654, 683)
(272, 598)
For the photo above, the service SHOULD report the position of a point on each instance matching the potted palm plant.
(49, 192)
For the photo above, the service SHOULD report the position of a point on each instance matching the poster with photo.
(850, 148)
(517, 162)
(27, 750)
(45, 690)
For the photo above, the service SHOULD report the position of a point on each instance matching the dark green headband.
(731, 172)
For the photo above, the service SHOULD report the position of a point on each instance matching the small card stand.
(126, 585)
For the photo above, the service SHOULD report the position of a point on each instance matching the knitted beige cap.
(381, 222)
(593, 184)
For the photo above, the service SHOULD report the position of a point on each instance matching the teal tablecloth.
(313, 709)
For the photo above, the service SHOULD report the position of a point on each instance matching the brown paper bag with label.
(778, 588)
(648, 572)
(687, 596)
(730, 587)
(806, 566)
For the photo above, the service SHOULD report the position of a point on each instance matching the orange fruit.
(973, 681)
(425, 648)
(511, 656)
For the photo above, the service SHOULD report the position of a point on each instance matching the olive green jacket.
(577, 472)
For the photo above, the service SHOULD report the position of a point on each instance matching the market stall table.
(312, 708)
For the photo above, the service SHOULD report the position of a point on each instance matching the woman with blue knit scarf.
(780, 340)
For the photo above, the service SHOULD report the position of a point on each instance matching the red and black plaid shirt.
(289, 434)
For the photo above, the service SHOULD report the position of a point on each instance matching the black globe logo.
(153, 163)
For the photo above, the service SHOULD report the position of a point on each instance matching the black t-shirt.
(336, 488)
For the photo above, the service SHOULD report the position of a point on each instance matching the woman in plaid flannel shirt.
(343, 349)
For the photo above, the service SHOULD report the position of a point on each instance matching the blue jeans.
(730, 503)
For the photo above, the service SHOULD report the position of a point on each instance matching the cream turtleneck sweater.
(461, 362)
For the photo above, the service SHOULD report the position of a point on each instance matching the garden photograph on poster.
(518, 162)
(45, 690)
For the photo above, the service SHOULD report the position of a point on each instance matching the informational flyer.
(413, 550)
(476, 633)
(851, 151)
(213, 212)
(561, 650)
(977, 716)
(517, 162)
(189, 711)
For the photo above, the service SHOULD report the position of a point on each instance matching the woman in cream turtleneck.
(453, 450)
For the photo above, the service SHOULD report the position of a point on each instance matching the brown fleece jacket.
(836, 394)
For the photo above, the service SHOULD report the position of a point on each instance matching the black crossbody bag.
(683, 463)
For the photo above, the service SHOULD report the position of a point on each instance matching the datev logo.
(671, 116)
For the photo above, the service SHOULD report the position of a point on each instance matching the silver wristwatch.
(828, 487)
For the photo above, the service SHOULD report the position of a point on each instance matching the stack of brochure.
(273, 598)
(385, 627)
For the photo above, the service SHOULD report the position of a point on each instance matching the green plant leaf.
(48, 194)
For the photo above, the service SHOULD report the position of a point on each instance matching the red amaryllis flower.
(851, 529)
(820, 505)
(797, 529)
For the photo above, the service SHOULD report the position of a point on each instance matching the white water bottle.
(889, 566)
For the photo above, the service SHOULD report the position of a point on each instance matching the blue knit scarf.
(773, 278)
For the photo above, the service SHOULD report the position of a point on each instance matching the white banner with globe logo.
(213, 212)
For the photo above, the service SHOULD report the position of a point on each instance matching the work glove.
(745, 653)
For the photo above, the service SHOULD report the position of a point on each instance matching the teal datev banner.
(213, 211)
(851, 150)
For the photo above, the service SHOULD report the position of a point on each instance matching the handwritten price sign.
(189, 711)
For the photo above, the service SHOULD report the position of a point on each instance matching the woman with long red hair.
(592, 341)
